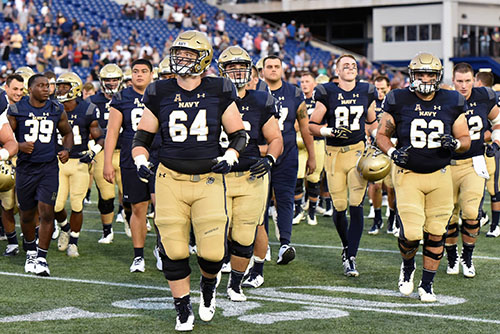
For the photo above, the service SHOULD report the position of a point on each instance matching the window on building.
(436, 32)
(400, 33)
(411, 33)
(423, 32)
(388, 31)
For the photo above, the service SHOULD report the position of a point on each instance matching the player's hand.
(224, 163)
(492, 149)
(310, 165)
(143, 168)
(27, 147)
(401, 156)
(341, 132)
(262, 166)
(63, 156)
(87, 156)
(109, 173)
(448, 142)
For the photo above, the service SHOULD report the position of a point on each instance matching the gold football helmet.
(373, 165)
(76, 85)
(26, 76)
(260, 64)
(155, 73)
(196, 42)
(164, 68)
(235, 55)
(7, 180)
(322, 79)
(425, 63)
(110, 71)
(127, 75)
(25, 69)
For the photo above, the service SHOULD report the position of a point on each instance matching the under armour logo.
(162, 174)
(472, 104)
(74, 116)
(437, 107)
(45, 114)
(340, 97)
(245, 108)
(210, 180)
(355, 95)
(281, 98)
(201, 95)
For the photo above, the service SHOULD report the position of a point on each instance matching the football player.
(468, 170)
(127, 78)
(74, 174)
(486, 79)
(345, 109)
(283, 174)
(110, 77)
(126, 112)
(164, 69)
(34, 121)
(430, 126)
(382, 85)
(246, 187)
(307, 84)
(189, 111)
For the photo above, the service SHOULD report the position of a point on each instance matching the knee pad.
(495, 198)
(452, 227)
(175, 269)
(339, 204)
(432, 243)
(466, 227)
(240, 250)
(408, 248)
(106, 206)
(210, 267)
(313, 189)
(299, 186)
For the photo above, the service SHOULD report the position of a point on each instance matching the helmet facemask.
(108, 87)
(240, 76)
(187, 65)
(425, 88)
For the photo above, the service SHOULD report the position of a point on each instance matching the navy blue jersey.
(190, 121)
(103, 105)
(129, 103)
(256, 108)
(80, 119)
(288, 97)
(479, 105)
(378, 108)
(37, 125)
(421, 123)
(346, 109)
(262, 86)
(4, 102)
(311, 104)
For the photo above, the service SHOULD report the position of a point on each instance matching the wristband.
(4, 154)
(390, 151)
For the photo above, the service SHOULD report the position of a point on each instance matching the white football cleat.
(320, 210)
(148, 225)
(207, 303)
(253, 281)
(468, 270)
(268, 254)
(300, 216)
(372, 212)
(350, 269)
(192, 249)
(405, 283)
(226, 268)
(484, 220)
(328, 213)
(11, 250)
(72, 250)
(107, 239)
(159, 262)
(313, 221)
(56, 232)
(41, 267)
(426, 295)
(184, 322)
(286, 254)
(120, 217)
(493, 232)
(29, 265)
(63, 241)
(126, 228)
(138, 265)
(236, 296)
(453, 266)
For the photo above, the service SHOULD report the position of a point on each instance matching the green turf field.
(95, 293)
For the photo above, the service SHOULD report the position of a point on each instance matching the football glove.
(224, 163)
(400, 156)
(492, 149)
(143, 168)
(340, 132)
(448, 142)
(262, 166)
(88, 156)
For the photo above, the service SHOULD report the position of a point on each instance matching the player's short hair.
(13, 76)
(50, 75)
(462, 68)
(255, 71)
(303, 74)
(142, 61)
(383, 78)
(344, 56)
(486, 78)
(33, 78)
(270, 57)
(88, 86)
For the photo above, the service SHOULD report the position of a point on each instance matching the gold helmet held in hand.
(373, 165)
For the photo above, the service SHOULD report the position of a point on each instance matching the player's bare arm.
(113, 131)
(316, 118)
(494, 117)
(67, 140)
(385, 130)
(303, 120)
(460, 131)
(272, 133)
(26, 147)
(232, 122)
(371, 120)
(96, 132)
(8, 141)
(148, 125)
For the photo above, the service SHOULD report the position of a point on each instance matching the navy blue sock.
(298, 207)
(36, 232)
(328, 204)
(340, 221)
(11, 238)
(428, 276)
(29, 245)
(355, 229)
(236, 278)
(73, 240)
(390, 220)
(378, 216)
(106, 229)
(312, 208)
(495, 218)
(41, 252)
(65, 226)
(139, 252)
(258, 267)
(409, 263)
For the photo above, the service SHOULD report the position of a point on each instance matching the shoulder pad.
(88, 99)
(371, 88)
(298, 92)
(227, 85)
(461, 99)
(13, 109)
(270, 100)
(56, 104)
(90, 109)
(390, 98)
(491, 94)
(321, 89)
(151, 89)
(118, 96)
(262, 86)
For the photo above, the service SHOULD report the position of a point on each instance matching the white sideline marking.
(65, 313)
(307, 299)
(151, 234)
